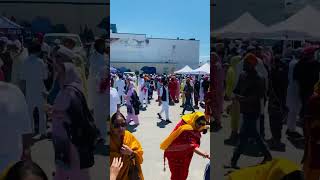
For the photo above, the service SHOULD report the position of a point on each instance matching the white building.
(72, 13)
(133, 51)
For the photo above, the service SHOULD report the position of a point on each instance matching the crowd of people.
(46, 93)
(136, 94)
(255, 81)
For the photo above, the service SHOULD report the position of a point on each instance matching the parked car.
(51, 38)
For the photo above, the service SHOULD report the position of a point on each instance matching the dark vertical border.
(108, 91)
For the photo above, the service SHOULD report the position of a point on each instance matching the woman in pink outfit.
(67, 156)
(132, 117)
(217, 89)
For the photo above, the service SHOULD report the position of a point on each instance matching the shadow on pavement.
(297, 143)
(162, 124)
(102, 149)
(252, 149)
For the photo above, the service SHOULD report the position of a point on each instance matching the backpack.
(82, 131)
(135, 102)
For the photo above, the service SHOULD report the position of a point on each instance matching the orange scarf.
(135, 145)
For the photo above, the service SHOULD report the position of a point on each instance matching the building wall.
(73, 14)
(134, 48)
(161, 68)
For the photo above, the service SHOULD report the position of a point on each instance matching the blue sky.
(165, 19)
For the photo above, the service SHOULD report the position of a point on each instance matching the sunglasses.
(117, 125)
(202, 123)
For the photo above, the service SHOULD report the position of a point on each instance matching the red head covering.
(251, 59)
(309, 51)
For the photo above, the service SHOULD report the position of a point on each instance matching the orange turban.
(251, 59)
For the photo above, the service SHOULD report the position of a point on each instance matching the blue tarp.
(41, 24)
(123, 69)
(149, 70)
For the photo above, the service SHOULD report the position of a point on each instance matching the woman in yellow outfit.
(277, 169)
(123, 144)
(234, 108)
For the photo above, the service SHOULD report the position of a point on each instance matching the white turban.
(66, 53)
(45, 47)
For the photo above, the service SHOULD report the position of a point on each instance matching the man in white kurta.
(120, 86)
(164, 101)
(293, 102)
(14, 124)
(18, 56)
(141, 84)
(33, 73)
(97, 60)
(201, 93)
(114, 101)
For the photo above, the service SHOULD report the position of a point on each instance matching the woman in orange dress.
(123, 144)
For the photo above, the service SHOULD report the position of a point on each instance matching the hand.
(126, 150)
(115, 168)
(206, 155)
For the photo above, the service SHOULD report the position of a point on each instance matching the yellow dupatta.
(133, 144)
(190, 119)
(273, 170)
(231, 75)
(4, 173)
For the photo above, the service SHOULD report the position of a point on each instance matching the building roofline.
(175, 39)
(157, 38)
(131, 33)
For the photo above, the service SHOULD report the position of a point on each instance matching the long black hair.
(116, 116)
(295, 175)
(23, 169)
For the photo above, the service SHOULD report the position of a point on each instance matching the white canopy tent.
(7, 26)
(246, 26)
(5, 23)
(184, 70)
(304, 25)
(204, 69)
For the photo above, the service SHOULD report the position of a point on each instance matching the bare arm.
(201, 153)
